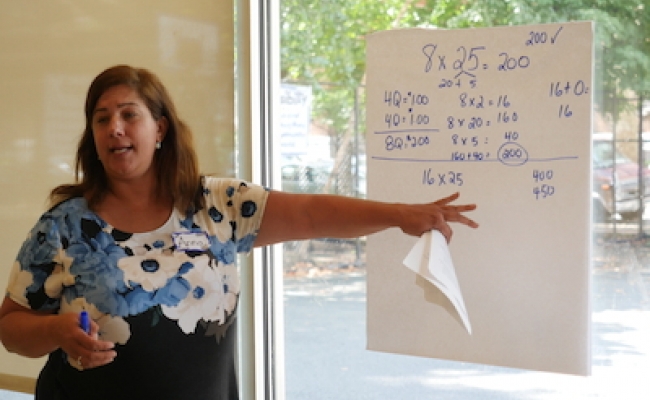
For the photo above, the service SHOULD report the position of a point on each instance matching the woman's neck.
(135, 208)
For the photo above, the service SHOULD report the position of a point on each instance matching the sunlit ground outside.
(325, 340)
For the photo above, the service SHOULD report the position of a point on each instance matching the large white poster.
(503, 116)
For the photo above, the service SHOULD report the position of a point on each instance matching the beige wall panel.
(49, 53)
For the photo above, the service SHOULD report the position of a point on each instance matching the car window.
(603, 155)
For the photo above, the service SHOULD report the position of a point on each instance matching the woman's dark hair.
(175, 162)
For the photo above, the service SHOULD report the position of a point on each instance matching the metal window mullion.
(261, 347)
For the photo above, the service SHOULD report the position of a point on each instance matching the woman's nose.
(116, 127)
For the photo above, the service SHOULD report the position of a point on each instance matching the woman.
(146, 246)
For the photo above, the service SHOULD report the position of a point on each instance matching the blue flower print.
(70, 215)
(73, 257)
(248, 209)
(39, 251)
(186, 266)
(204, 302)
(153, 269)
(140, 300)
(231, 286)
(215, 214)
(206, 191)
(245, 244)
(174, 292)
(223, 252)
(189, 224)
(98, 277)
(156, 278)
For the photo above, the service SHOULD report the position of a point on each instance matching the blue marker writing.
(84, 321)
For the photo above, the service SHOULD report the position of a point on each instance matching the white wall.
(49, 53)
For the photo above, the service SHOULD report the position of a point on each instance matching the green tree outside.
(323, 42)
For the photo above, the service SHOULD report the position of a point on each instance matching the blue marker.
(84, 321)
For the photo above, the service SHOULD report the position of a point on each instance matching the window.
(324, 281)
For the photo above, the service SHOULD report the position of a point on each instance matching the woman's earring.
(158, 145)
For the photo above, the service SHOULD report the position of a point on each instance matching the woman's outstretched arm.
(291, 216)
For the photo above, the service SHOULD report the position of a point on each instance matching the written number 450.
(543, 191)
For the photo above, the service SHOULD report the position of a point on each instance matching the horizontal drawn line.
(425, 160)
(521, 162)
(561, 158)
(406, 131)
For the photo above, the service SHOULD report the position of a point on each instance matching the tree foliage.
(323, 44)
(622, 37)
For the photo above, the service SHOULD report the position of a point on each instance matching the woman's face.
(125, 134)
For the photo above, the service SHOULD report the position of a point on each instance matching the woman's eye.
(101, 120)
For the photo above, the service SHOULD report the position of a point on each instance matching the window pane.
(325, 288)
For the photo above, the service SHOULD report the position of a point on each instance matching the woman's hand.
(417, 219)
(84, 350)
(36, 334)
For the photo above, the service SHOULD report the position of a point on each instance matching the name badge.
(191, 241)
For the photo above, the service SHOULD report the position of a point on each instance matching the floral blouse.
(167, 298)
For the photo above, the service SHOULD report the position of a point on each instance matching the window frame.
(261, 322)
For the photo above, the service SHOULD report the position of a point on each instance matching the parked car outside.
(318, 176)
(301, 177)
(620, 189)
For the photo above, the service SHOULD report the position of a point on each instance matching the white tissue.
(430, 258)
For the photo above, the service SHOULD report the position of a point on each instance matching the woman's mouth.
(120, 150)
